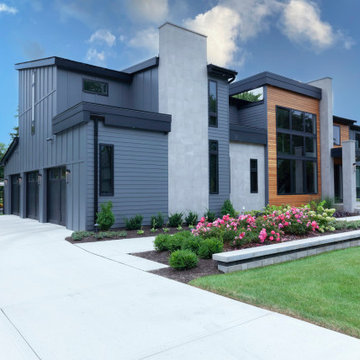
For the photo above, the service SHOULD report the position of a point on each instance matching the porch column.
(349, 175)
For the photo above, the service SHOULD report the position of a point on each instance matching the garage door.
(56, 196)
(15, 194)
(32, 195)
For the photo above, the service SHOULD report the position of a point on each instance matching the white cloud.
(7, 9)
(148, 39)
(95, 56)
(103, 36)
(149, 10)
(301, 22)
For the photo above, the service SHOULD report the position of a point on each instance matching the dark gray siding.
(70, 92)
(140, 169)
(253, 116)
(221, 134)
(145, 90)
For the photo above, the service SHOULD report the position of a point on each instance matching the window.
(96, 87)
(296, 152)
(337, 139)
(253, 176)
(213, 167)
(213, 121)
(357, 139)
(106, 170)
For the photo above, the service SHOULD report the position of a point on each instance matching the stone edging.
(277, 253)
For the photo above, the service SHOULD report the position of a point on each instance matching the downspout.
(96, 166)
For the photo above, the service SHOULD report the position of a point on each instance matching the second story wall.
(253, 115)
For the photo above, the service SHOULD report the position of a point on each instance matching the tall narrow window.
(213, 167)
(213, 119)
(106, 170)
(33, 102)
(337, 137)
(253, 176)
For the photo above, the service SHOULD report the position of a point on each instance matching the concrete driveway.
(60, 301)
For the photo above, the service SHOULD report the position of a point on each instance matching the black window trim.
(217, 167)
(304, 158)
(101, 193)
(92, 92)
(254, 190)
(211, 113)
(339, 127)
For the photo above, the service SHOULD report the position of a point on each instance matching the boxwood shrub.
(183, 259)
(210, 246)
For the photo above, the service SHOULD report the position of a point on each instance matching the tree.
(15, 132)
(3, 149)
(248, 96)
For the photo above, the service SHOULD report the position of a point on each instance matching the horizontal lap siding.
(252, 116)
(140, 173)
(221, 134)
(279, 97)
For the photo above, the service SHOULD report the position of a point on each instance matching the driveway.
(61, 301)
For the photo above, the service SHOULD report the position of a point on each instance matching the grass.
(322, 289)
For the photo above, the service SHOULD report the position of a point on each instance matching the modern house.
(172, 133)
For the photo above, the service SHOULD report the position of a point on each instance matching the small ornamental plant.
(105, 217)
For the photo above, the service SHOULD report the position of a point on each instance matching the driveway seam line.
(22, 336)
(204, 336)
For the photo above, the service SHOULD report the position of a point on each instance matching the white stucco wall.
(183, 94)
(240, 196)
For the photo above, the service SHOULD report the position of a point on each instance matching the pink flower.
(202, 219)
(272, 232)
(271, 238)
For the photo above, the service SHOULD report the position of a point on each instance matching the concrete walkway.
(60, 301)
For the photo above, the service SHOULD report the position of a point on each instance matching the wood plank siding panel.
(344, 133)
(280, 97)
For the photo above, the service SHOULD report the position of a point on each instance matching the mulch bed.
(204, 267)
(130, 234)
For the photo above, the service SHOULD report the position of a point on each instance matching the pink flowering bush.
(267, 228)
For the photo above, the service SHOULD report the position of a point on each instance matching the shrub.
(160, 242)
(134, 223)
(209, 247)
(110, 234)
(191, 219)
(79, 235)
(105, 218)
(157, 221)
(174, 243)
(229, 236)
(191, 243)
(210, 216)
(228, 209)
(183, 259)
(176, 219)
(184, 234)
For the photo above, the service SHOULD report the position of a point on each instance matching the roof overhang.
(268, 78)
(145, 65)
(9, 151)
(220, 72)
(343, 121)
(112, 116)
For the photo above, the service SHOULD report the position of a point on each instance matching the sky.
(301, 39)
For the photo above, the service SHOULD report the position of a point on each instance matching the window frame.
(101, 191)
(339, 127)
(212, 153)
(211, 113)
(304, 158)
(92, 92)
(255, 189)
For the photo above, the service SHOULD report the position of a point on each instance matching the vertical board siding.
(221, 134)
(280, 97)
(140, 173)
(253, 116)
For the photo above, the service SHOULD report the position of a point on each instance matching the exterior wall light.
(6, 182)
(67, 175)
(20, 180)
(39, 179)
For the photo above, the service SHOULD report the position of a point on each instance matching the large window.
(106, 170)
(95, 87)
(213, 118)
(213, 167)
(337, 135)
(253, 176)
(296, 152)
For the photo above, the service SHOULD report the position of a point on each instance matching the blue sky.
(301, 39)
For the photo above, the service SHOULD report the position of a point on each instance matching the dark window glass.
(337, 139)
(357, 139)
(297, 120)
(96, 87)
(212, 103)
(310, 147)
(283, 143)
(213, 167)
(253, 176)
(106, 170)
(283, 118)
(297, 145)
(283, 176)
(310, 124)
(311, 176)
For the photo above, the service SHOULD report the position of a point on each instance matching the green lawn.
(323, 289)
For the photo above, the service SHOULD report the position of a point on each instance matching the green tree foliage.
(248, 96)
